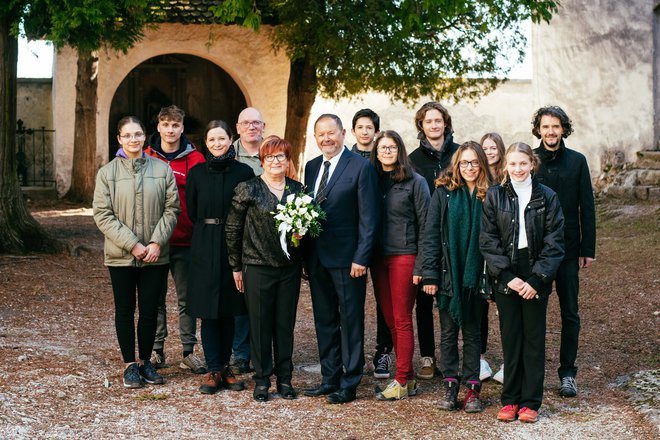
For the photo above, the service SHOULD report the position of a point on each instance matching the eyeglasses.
(465, 163)
(137, 136)
(387, 148)
(246, 124)
(270, 157)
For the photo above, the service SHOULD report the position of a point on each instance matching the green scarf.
(465, 260)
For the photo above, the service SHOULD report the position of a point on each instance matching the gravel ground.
(60, 375)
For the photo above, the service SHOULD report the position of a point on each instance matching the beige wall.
(245, 55)
(34, 104)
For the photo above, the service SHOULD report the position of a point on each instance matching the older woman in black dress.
(270, 279)
(212, 295)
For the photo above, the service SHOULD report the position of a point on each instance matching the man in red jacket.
(170, 145)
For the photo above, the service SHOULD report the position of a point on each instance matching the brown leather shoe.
(212, 383)
(229, 381)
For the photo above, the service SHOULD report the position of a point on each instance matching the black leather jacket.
(544, 224)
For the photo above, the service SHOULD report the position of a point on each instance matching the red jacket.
(180, 165)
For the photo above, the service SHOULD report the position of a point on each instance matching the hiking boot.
(382, 366)
(484, 370)
(412, 387)
(472, 403)
(499, 376)
(449, 401)
(193, 363)
(149, 374)
(568, 387)
(158, 360)
(427, 371)
(527, 415)
(508, 413)
(394, 391)
(241, 366)
(132, 377)
(229, 381)
(211, 384)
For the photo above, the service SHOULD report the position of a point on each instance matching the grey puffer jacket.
(544, 226)
(135, 201)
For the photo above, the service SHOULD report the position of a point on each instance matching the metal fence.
(34, 155)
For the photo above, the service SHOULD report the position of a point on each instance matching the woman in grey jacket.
(136, 206)
(396, 268)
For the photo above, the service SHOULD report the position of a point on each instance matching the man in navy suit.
(346, 186)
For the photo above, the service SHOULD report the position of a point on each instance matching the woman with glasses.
(452, 269)
(135, 205)
(396, 268)
(269, 279)
(212, 295)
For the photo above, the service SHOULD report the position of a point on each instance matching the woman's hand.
(516, 284)
(527, 292)
(238, 280)
(430, 289)
(139, 251)
(153, 253)
(297, 236)
(417, 279)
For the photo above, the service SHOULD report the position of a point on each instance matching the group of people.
(453, 225)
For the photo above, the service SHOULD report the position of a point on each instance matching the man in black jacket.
(567, 173)
(432, 157)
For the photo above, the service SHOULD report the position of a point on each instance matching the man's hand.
(527, 292)
(238, 280)
(585, 262)
(357, 270)
(430, 289)
(139, 251)
(153, 252)
(417, 279)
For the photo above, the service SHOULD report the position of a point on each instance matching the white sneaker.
(193, 363)
(485, 371)
(499, 376)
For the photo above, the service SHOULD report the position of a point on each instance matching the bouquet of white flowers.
(299, 215)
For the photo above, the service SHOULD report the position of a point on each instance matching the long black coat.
(211, 289)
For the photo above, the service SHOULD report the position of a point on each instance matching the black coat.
(566, 172)
(211, 289)
(430, 162)
(498, 240)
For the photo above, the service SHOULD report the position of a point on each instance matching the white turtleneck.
(524, 191)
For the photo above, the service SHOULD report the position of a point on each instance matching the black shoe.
(260, 393)
(382, 366)
(132, 377)
(241, 366)
(149, 374)
(344, 395)
(323, 390)
(568, 387)
(449, 400)
(286, 391)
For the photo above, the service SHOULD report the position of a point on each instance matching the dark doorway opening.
(202, 89)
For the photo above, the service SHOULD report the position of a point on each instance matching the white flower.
(290, 198)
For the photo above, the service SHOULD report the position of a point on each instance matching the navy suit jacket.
(352, 208)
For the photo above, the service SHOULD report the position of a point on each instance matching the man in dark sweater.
(432, 157)
(567, 173)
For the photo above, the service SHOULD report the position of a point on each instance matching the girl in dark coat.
(212, 295)
(452, 269)
(522, 240)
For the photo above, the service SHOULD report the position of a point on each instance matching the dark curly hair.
(557, 112)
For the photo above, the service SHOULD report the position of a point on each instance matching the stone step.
(648, 159)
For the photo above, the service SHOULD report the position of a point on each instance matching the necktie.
(324, 181)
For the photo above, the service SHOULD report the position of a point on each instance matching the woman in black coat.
(212, 295)
(522, 241)
(269, 278)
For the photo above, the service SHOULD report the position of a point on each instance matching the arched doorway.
(202, 89)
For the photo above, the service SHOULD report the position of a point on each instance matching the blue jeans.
(241, 345)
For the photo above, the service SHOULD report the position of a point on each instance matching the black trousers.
(567, 284)
(148, 281)
(471, 331)
(217, 336)
(271, 296)
(425, 330)
(522, 326)
(338, 303)
(484, 326)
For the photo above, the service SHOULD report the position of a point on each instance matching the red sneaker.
(527, 415)
(508, 413)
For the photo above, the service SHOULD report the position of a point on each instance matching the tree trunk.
(84, 167)
(301, 95)
(19, 231)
